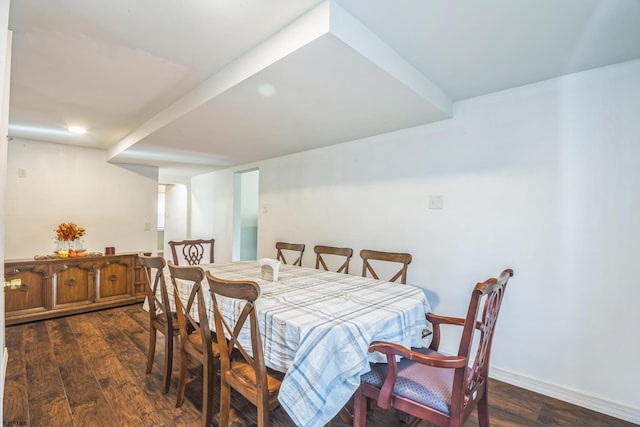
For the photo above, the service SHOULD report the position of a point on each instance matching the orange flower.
(69, 231)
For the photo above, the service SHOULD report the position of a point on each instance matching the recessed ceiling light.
(267, 90)
(77, 129)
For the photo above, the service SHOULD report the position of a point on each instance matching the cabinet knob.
(23, 287)
(113, 277)
(72, 282)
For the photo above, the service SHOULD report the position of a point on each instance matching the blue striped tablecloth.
(316, 327)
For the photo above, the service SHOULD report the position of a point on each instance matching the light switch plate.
(436, 202)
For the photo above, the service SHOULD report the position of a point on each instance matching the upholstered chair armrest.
(436, 321)
(392, 350)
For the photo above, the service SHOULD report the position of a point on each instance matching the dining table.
(316, 327)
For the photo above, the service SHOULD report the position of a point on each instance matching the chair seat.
(161, 320)
(195, 339)
(244, 373)
(420, 383)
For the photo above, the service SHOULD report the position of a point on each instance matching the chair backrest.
(466, 383)
(295, 247)
(330, 250)
(228, 329)
(186, 293)
(482, 314)
(398, 257)
(158, 304)
(192, 251)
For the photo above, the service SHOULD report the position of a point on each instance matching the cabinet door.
(114, 278)
(139, 278)
(74, 283)
(32, 295)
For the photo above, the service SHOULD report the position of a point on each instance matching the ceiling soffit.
(322, 80)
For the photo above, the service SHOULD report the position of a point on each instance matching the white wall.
(543, 179)
(76, 184)
(5, 72)
(175, 215)
(212, 211)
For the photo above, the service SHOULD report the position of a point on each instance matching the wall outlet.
(147, 226)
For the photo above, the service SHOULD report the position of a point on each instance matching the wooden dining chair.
(196, 341)
(298, 248)
(330, 250)
(241, 368)
(368, 255)
(192, 251)
(161, 317)
(429, 385)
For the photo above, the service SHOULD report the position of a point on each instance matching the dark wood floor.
(89, 370)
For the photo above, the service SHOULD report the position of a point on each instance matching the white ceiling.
(217, 83)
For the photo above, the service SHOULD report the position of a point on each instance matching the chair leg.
(168, 362)
(483, 410)
(263, 414)
(152, 348)
(225, 404)
(359, 409)
(346, 413)
(207, 395)
(182, 379)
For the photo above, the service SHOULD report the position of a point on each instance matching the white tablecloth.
(317, 326)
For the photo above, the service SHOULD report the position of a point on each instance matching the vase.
(76, 245)
(63, 245)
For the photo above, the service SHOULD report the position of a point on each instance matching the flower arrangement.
(68, 231)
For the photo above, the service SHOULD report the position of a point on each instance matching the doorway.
(245, 215)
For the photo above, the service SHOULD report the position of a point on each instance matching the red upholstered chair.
(161, 317)
(298, 248)
(194, 252)
(428, 385)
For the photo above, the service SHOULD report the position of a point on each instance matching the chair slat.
(192, 251)
(321, 250)
(368, 255)
(297, 248)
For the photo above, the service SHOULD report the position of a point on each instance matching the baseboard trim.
(613, 409)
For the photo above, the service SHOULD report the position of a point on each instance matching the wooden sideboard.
(43, 289)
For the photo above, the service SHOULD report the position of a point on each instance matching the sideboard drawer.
(31, 295)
